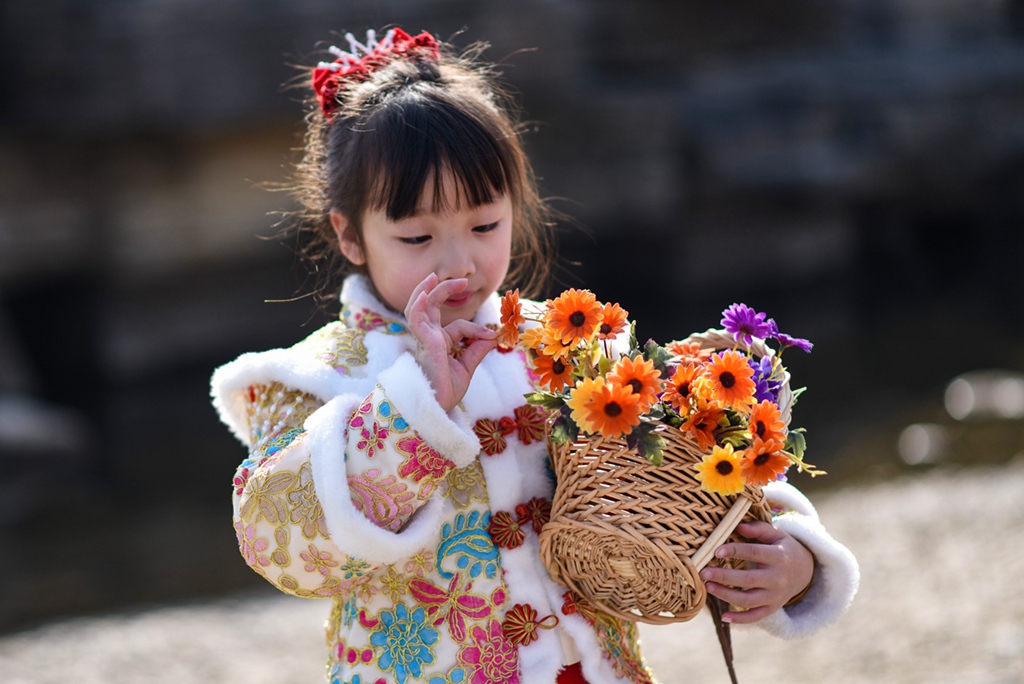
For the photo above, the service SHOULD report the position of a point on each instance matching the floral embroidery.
(423, 461)
(241, 477)
(385, 501)
(354, 656)
(454, 605)
(367, 319)
(372, 439)
(345, 348)
(470, 544)
(395, 584)
(306, 509)
(505, 530)
(320, 561)
(354, 567)
(262, 497)
(250, 545)
(492, 658)
(456, 675)
(386, 411)
(420, 562)
(406, 640)
(521, 624)
(466, 485)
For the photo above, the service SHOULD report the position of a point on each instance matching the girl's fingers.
(747, 617)
(426, 285)
(755, 553)
(445, 289)
(760, 531)
(752, 598)
(742, 579)
(475, 353)
(461, 329)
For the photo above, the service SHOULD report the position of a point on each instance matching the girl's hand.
(781, 568)
(448, 376)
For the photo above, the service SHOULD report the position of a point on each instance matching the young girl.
(366, 482)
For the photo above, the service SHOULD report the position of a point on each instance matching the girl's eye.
(486, 229)
(418, 240)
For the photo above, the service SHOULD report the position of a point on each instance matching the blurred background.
(853, 167)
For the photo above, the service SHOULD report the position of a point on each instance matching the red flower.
(574, 603)
(530, 420)
(521, 624)
(505, 530)
(492, 436)
(536, 511)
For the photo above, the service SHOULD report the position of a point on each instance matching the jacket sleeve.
(333, 491)
(836, 573)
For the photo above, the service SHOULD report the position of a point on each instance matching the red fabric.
(571, 674)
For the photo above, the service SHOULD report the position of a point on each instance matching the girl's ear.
(347, 239)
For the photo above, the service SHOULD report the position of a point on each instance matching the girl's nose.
(458, 261)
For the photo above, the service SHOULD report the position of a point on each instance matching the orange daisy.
(731, 382)
(581, 395)
(719, 472)
(555, 373)
(613, 410)
(613, 321)
(640, 376)
(688, 350)
(511, 319)
(701, 425)
(574, 315)
(677, 389)
(766, 422)
(554, 346)
(764, 462)
(533, 338)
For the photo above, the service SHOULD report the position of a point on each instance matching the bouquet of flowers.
(726, 401)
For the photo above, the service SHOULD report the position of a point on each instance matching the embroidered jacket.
(422, 525)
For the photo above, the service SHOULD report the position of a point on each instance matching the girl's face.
(471, 242)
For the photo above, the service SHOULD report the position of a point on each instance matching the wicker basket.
(632, 537)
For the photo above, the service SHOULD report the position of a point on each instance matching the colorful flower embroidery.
(320, 561)
(354, 567)
(453, 605)
(385, 501)
(469, 544)
(423, 461)
(306, 510)
(490, 657)
(466, 485)
(372, 439)
(492, 436)
(406, 640)
(394, 585)
(250, 545)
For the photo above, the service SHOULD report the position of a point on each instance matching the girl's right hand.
(449, 376)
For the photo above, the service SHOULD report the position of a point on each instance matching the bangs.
(415, 137)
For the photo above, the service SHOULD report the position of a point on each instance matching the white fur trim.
(835, 581)
(788, 496)
(410, 391)
(348, 526)
(296, 371)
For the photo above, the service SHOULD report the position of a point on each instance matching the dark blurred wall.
(854, 167)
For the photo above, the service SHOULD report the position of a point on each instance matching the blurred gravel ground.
(942, 559)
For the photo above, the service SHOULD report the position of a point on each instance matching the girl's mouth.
(458, 300)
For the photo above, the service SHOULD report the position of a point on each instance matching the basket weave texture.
(632, 537)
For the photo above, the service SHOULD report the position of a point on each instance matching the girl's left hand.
(781, 567)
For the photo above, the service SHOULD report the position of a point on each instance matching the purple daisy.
(745, 323)
(798, 342)
(765, 386)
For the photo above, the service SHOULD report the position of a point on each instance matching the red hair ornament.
(331, 78)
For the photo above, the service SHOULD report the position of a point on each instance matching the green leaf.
(548, 400)
(796, 443)
(659, 355)
(648, 443)
(564, 430)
